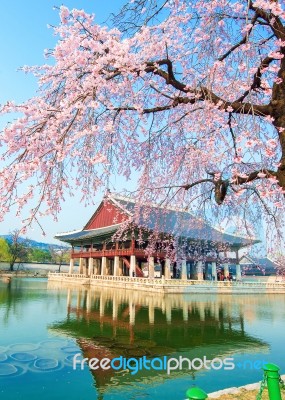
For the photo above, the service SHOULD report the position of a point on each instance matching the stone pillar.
(133, 266)
(71, 266)
(90, 266)
(107, 270)
(116, 265)
(96, 267)
(184, 270)
(200, 275)
(121, 270)
(226, 270)
(81, 261)
(167, 273)
(238, 272)
(214, 271)
(111, 266)
(151, 267)
(86, 266)
(104, 266)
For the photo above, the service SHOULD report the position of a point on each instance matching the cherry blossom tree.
(189, 95)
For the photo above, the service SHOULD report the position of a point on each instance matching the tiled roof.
(265, 262)
(178, 223)
(78, 236)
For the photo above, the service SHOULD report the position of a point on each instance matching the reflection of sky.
(26, 344)
(42, 355)
(267, 326)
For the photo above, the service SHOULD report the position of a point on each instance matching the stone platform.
(161, 285)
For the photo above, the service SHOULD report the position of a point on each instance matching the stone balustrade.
(170, 285)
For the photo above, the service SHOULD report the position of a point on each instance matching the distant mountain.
(34, 243)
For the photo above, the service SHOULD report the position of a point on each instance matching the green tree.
(4, 250)
(60, 256)
(39, 255)
(18, 250)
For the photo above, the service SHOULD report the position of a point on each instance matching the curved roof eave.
(87, 234)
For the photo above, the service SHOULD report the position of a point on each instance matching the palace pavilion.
(122, 240)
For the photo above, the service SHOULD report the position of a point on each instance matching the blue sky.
(24, 34)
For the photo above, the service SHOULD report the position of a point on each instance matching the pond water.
(211, 341)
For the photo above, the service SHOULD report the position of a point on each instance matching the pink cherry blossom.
(189, 106)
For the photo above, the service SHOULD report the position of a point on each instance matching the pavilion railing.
(96, 253)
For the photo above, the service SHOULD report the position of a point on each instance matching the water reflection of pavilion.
(110, 323)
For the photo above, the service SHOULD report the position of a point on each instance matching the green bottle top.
(270, 367)
(196, 393)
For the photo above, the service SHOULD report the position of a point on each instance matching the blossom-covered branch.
(190, 95)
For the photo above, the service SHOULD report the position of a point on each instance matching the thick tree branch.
(264, 173)
(221, 186)
(203, 93)
(189, 186)
(146, 110)
(273, 21)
